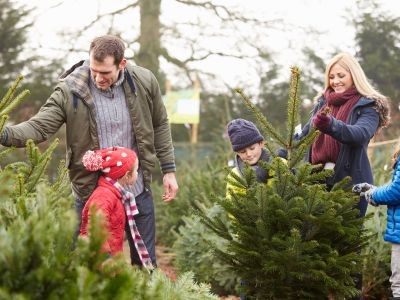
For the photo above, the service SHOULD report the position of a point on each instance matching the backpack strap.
(129, 72)
(75, 102)
(130, 81)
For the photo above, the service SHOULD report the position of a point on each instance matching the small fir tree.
(292, 239)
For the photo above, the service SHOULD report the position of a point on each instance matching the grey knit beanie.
(243, 133)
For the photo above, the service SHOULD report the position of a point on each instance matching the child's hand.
(362, 187)
(368, 197)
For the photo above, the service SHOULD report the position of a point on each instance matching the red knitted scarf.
(325, 148)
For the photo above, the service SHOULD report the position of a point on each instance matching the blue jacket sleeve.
(357, 133)
(389, 194)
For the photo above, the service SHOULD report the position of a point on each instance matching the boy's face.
(252, 153)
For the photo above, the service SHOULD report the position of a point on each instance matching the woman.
(349, 112)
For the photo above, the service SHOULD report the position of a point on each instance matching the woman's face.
(340, 79)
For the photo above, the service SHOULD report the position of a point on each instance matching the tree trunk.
(149, 39)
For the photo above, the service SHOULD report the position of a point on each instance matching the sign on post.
(183, 106)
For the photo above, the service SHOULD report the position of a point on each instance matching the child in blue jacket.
(388, 195)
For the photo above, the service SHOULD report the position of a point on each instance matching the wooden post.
(195, 127)
(195, 130)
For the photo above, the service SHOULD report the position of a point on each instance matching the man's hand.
(170, 187)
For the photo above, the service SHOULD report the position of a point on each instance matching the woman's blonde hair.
(362, 84)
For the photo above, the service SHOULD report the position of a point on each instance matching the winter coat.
(107, 199)
(354, 137)
(72, 103)
(390, 195)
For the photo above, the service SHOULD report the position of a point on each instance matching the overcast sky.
(55, 16)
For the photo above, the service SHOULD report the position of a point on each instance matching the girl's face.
(252, 153)
(340, 79)
(130, 177)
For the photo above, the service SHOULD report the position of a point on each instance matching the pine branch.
(293, 104)
(308, 139)
(261, 119)
(15, 102)
(5, 152)
(297, 156)
(50, 149)
(10, 93)
(62, 181)
(3, 120)
(215, 225)
(39, 162)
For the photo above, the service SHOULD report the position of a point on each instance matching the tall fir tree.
(292, 239)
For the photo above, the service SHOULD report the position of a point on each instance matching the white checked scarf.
(129, 202)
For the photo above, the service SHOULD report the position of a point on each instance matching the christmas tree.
(292, 239)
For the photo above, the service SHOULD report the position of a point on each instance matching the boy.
(248, 143)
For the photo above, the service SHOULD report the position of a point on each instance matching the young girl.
(118, 168)
(388, 195)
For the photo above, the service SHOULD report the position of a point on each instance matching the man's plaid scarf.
(129, 202)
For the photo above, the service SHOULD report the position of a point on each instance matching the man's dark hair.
(107, 45)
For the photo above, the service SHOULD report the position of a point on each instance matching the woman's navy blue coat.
(354, 137)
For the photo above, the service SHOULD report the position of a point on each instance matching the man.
(106, 102)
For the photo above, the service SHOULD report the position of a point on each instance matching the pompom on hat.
(114, 162)
(243, 133)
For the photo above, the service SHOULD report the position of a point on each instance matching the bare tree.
(207, 30)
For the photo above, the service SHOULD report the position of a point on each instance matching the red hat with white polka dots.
(114, 162)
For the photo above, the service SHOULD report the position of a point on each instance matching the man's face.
(105, 73)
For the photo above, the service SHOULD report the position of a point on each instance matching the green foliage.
(196, 183)
(194, 253)
(13, 28)
(39, 258)
(376, 266)
(190, 240)
(291, 238)
(295, 149)
(376, 27)
(37, 261)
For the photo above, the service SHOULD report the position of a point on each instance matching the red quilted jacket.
(107, 199)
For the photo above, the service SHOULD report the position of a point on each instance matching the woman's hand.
(322, 121)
